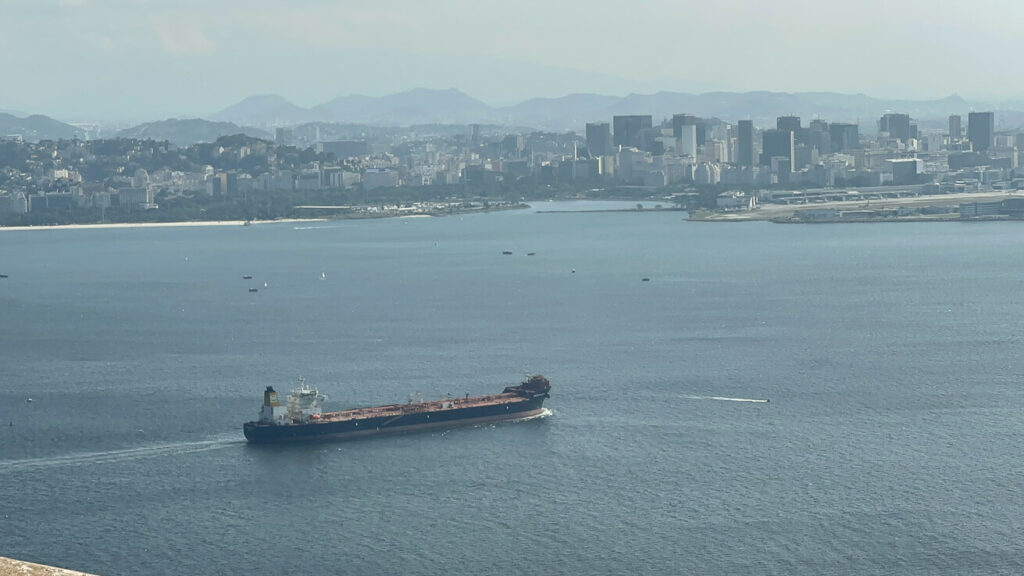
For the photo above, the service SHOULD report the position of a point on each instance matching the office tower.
(897, 125)
(745, 143)
(599, 139)
(777, 144)
(818, 136)
(687, 140)
(791, 123)
(844, 136)
(981, 130)
(680, 120)
(954, 128)
(628, 129)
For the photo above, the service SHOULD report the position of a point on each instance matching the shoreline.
(789, 213)
(187, 223)
(197, 223)
(13, 567)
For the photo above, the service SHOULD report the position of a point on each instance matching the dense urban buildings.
(632, 154)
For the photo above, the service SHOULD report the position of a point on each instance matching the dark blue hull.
(393, 424)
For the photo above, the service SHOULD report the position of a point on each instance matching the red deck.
(415, 407)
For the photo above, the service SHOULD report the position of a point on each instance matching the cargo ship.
(301, 417)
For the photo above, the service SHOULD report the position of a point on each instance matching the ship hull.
(391, 424)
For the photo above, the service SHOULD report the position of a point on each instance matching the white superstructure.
(302, 405)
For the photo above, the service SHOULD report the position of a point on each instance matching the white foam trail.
(727, 399)
(544, 413)
(114, 456)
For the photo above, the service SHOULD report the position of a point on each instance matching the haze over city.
(143, 60)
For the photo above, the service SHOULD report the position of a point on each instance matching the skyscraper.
(745, 143)
(844, 136)
(628, 129)
(981, 130)
(680, 120)
(954, 128)
(791, 123)
(897, 125)
(687, 140)
(599, 139)
(777, 144)
(818, 136)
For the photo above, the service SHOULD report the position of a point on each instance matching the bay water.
(774, 399)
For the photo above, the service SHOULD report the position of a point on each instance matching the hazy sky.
(147, 59)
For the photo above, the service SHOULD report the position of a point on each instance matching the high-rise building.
(680, 120)
(954, 128)
(844, 136)
(745, 143)
(599, 139)
(777, 144)
(791, 123)
(628, 129)
(818, 136)
(897, 125)
(981, 130)
(687, 140)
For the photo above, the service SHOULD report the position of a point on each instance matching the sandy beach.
(12, 567)
(157, 224)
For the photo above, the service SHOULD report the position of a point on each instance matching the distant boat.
(3, 275)
(247, 277)
(254, 289)
(323, 275)
(507, 252)
(530, 253)
(645, 279)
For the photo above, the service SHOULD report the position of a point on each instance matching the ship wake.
(544, 413)
(116, 456)
(727, 399)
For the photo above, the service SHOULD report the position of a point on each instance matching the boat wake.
(116, 456)
(544, 413)
(727, 399)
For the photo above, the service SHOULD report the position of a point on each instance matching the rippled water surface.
(797, 400)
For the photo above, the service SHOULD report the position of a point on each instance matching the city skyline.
(137, 59)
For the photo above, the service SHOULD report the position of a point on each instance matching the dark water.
(891, 355)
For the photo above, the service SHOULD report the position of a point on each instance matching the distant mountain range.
(37, 127)
(572, 112)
